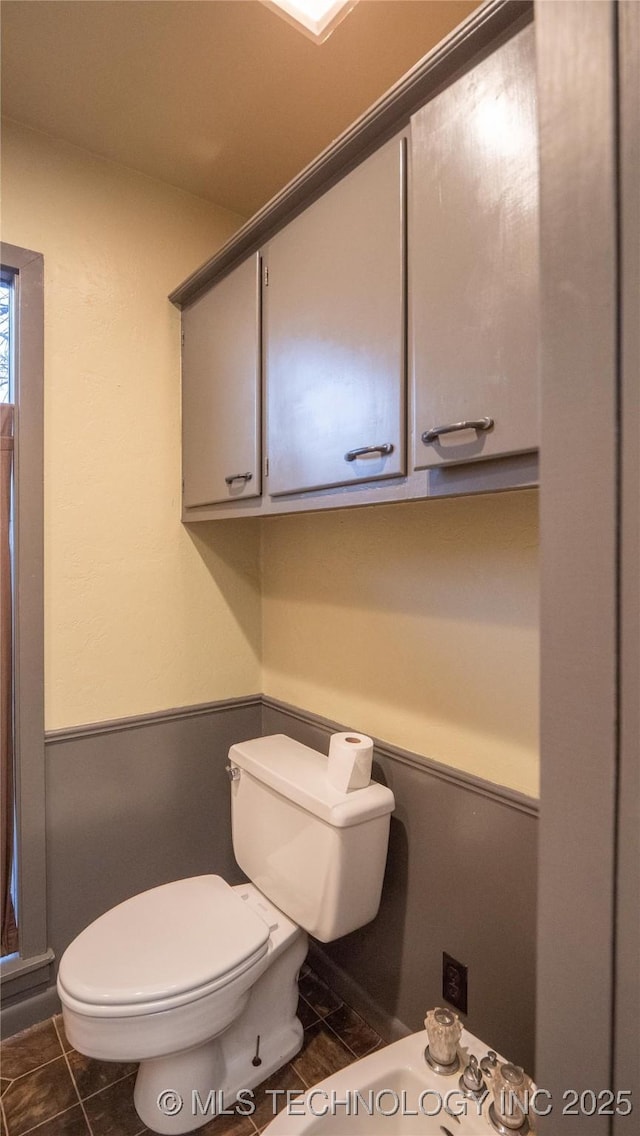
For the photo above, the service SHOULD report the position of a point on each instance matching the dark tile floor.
(48, 1089)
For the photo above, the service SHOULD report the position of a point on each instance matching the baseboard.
(389, 1028)
(29, 1011)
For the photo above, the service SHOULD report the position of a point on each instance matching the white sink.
(392, 1092)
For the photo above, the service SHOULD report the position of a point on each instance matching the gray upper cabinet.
(335, 333)
(473, 249)
(221, 391)
(423, 257)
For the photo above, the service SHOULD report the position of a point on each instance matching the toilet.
(198, 980)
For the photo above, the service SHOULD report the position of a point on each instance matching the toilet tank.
(317, 853)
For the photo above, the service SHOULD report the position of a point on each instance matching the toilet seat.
(163, 948)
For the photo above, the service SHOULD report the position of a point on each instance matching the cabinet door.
(221, 390)
(473, 249)
(334, 333)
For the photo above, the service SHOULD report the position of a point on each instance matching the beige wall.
(417, 623)
(141, 614)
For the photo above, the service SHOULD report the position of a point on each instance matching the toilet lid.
(164, 942)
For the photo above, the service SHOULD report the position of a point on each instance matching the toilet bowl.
(146, 983)
(196, 979)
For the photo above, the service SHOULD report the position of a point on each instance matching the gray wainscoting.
(132, 804)
(138, 802)
(461, 878)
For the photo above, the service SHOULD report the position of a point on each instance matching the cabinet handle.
(472, 424)
(385, 448)
(238, 477)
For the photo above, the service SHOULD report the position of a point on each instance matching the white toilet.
(197, 980)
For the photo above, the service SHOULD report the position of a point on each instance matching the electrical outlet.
(454, 982)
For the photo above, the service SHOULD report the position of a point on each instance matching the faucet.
(508, 1113)
(472, 1083)
(443, 1030)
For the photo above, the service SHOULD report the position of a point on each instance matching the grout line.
(308, 1004)
(73, 1082)
(337, 1035)
(346, 1043)
(298, 1074)
(325, 1022)
(55, 1026)
(36, 1068)
(320, 1020)
(73, 1079)
(342, 1042)
(47, 1120)
(358, 1015)
(90, 1096)
(373, 1047)
(86, 1119)
(322, 982)
(104, 1088)
(321, 1017)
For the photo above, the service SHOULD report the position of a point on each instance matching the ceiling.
(220, 97)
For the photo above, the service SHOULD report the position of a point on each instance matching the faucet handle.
(443, 1031)
(472, 1082)
(472, 1073)
(489, 1063)
(511, 1087)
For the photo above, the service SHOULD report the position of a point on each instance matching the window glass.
(5, 341)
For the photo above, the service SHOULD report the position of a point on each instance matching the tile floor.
(48, 1089)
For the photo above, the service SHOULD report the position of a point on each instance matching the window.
(8, 849)
(21, 380)
(5, 338)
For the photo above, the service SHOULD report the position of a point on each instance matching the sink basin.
(392, 1092)
(391, 1104)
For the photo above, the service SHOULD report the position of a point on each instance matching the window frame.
(32, 966)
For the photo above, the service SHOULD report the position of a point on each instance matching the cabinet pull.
(385, 448)
(238, 477)
(453, 427)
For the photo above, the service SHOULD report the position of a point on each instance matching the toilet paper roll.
(350, 758)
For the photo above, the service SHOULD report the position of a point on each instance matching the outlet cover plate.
(454, 982)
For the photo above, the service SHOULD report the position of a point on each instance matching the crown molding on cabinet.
(479, 34)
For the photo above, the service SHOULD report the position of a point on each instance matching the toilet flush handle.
(233, 771)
